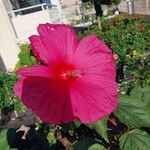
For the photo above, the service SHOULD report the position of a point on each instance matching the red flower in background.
(141, 28)
(77, 80)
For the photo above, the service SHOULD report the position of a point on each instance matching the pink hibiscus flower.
(76, 80)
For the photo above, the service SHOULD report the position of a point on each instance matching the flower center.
(66, 72)
(74, 74)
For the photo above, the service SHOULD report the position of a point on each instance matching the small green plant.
(7, 96)
(26, 58)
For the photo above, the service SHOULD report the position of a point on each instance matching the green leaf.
(25, 56)
(3, 140)
(133, 111)
(83, 144)
(96, 147)
(33, 59)
(7, 96)
(136, 92)
(76, 124)
(100, 127)
(135, 140)
(143, 93)
(17, 66)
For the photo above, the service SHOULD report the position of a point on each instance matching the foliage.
(96, 147)
(26, 58)
(7, 96)
(108, 2)
(142, 93)
(135, 139)
(3, 140)
(115, 2)
(100, 127)
(133, 111)
(88, 144)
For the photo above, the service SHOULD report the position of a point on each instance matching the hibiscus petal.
(39, 50)
(60, 40)
(36, 70)
(94, 57)
(48, 98)
(100, 63)
(91, 44)
(93, 99)
(18, 87)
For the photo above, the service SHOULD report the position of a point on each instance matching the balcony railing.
(20, 11)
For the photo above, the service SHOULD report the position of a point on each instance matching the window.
(28, 3)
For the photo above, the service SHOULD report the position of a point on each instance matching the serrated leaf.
(136, 92)
(133, 111)
(96, 147)
(135, 140)
(83, 144)
(3, 140)
(143, 93)
(100, 127)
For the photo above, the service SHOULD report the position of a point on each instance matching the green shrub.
(26, 57)
(7, 96)
(115, 2)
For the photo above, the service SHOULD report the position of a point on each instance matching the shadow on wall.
(2, 65)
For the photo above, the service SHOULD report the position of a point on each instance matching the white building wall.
(8, 44)
(26, 25)
(54, 2)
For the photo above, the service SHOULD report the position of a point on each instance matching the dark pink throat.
(67, 72)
